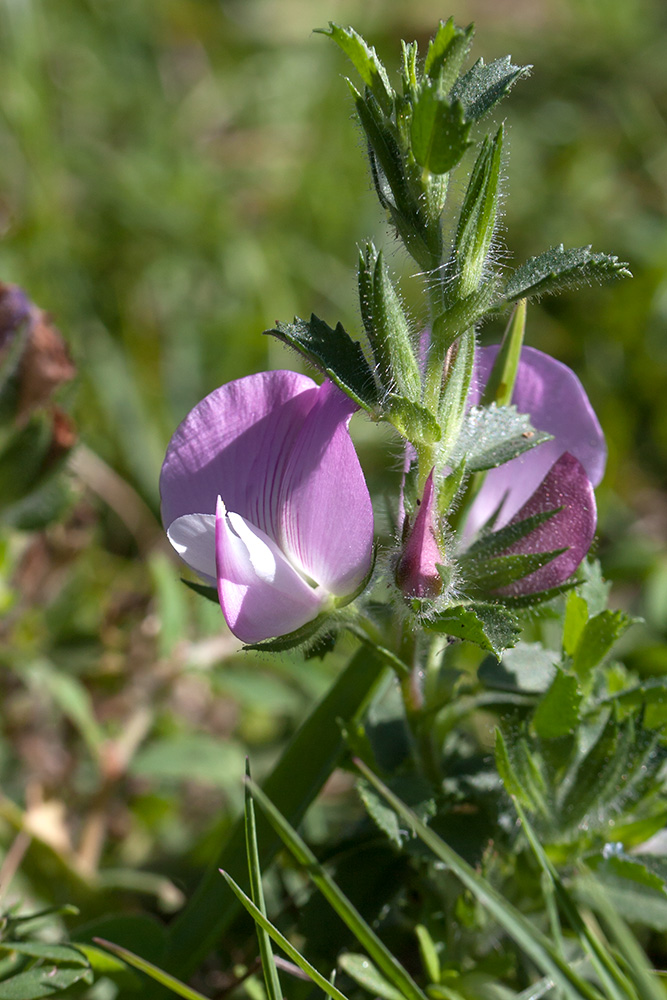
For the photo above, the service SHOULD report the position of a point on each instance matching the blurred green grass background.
(175, 175)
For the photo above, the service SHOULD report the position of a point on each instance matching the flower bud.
(417, 573)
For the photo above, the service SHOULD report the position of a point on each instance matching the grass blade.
(533, 942)
(616, 985)
(296, 779)
(282, 941)
(271, 980)
(348, 913)
(157, 974)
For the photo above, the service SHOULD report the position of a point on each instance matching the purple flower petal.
(566, 485)
(236, 443)
(193, 537)
(326, 513)
(557, 403)
(277, 449)
(261, 594)
(417, 574)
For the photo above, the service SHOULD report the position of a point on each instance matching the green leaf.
(334, 353)
(495, 542)
(210, 593)
(522, 930)
(190, 757)
(612, 979)
(446, 52)
(484, 85)
(365, 60)
(576, 616)
(43, 981)
(492, 435)
(597, 637)
(24, 459)
(528, 668)
(159, 975)
(439, 132)
(464, 313)
(454, 402)
(500, 383)
(391, 340)
(382, 815)
(74, 701)
(558, 268)
(508, 774)
(557, 712)
(296, 779)
(479, 211)
(282, 941)
(428, 953)
(592, 586)
(51, 952)
(271, 979)
(601, 772)
(291, 640)
(487, 625)
(492, 574)
(368, 976)
(413, 421)
(365, 935)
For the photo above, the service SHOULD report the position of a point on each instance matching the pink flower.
(557, 475)
(560, 473)
(417, 571)
(263, 495)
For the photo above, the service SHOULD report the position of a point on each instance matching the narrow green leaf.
(413, 421)
(597, 637)
(557, 268)
(159, 975)
(492, 435)
(429, 954)
(439, 132)
(508, 774)
(492, 574)
(576, 616)
(282, 941)
(645, 979)
(446, 52)
(495, 542)
(615, 983)
(210, 593)
(484, 85)
(365, 60)
(524, 932)
(271, 979)
(464, 313)
(348, 913)
(557, 712)
(392, 331)
(335, 353)
(50, 952)
(43, 981)
(500, 383)
(368, 976)
(479, 211)
(487, 625)
(296, 779)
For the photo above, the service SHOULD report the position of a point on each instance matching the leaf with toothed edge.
(484, 85)
(365, 60)
(492, 435)
(490, 626)
(335, 353)
(557, 268)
